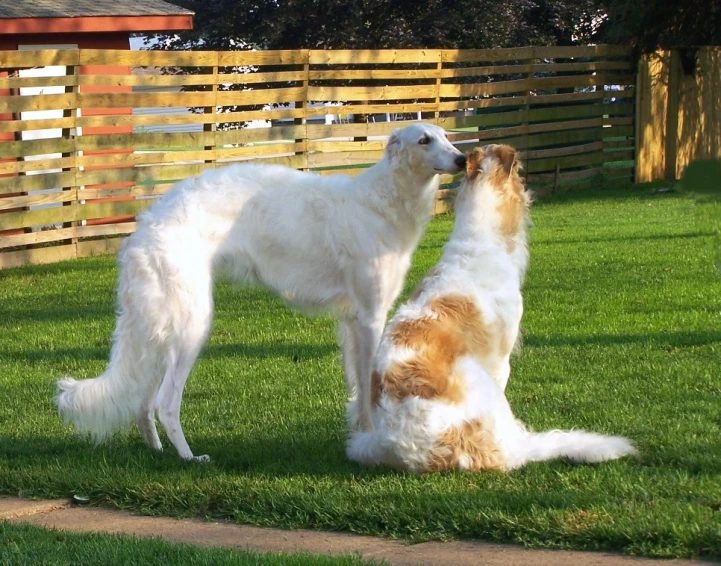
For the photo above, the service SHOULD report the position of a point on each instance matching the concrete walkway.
(61, 514)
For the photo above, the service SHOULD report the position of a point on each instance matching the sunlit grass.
(622, 334)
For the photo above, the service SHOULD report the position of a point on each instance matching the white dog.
(443, 362)
(323, 243)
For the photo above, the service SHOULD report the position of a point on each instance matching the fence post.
(439, 70)
(526, 114)
(67, 133)
(213, 111)
(638, 104)
(672, 108)
(303, 121)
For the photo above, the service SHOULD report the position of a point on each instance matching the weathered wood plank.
(148, 58)
(365, 57)
(16, 103)
(259, 58)
(36, 199)
(39, 58)
(89, 248)
(39, 237)
(37, 256)
(368, 93)
(26, 183)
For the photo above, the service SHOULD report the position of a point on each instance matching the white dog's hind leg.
(182, 354)
(170, 397)
(146, 423)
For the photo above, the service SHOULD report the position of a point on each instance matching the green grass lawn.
(25, 544)
(622, 334)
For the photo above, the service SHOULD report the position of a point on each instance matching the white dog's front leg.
(368, 334)
(347, 340)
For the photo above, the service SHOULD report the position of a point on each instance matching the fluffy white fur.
(427, 420)
(323, 243)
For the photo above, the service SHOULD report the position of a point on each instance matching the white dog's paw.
(203, 459)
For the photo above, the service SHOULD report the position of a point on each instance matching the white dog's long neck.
(404, 199)
(478, 243)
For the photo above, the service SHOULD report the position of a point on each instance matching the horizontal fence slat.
(23, 183)
(142, 99)
(38, 58)
(42, 199)
(106, 230)
(15, 167)
(148, 58)
(372, 74)
(37, 256)
(39, 102)
(35, 147)
(145, 141)
(566, 176)
(35, 82)
(365, 57)
(371, 92)
(98, 247)
(43, 217)
(28, 125)
(39, 237)
(259, 58)
(140, 174)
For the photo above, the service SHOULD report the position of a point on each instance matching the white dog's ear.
(394, 143)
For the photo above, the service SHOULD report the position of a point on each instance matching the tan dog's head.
(495, 169)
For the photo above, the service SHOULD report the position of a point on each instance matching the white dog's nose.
(460, 161)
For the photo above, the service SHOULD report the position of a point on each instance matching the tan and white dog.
(443, 362)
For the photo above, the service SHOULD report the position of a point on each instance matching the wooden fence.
(678, 114)
(83, 151)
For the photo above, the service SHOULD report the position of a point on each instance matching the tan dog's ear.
(473, 163)
(508, 157)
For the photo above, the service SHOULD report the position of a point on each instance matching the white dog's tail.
(101, 406)
(576, 445)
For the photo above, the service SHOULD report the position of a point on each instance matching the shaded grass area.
(622, 335)
(25, 544)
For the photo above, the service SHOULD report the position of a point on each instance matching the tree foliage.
(650, 24)
(377, 24)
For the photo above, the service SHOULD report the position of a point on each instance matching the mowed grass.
(25, 544)
(622, 335)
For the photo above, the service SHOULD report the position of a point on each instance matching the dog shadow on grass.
(295, 351)
(674, 339)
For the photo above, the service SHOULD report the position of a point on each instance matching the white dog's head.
(424, 148)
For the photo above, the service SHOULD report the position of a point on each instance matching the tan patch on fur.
(425, 376)
(514, 202)
(473, 163)
(458, 329)
(376, 387)
(473, 441)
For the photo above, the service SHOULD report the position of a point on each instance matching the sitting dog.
(443, 363)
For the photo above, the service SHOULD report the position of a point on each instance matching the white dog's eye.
(425, 140)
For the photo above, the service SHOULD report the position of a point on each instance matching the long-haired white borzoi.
(336, 243)
(443, 363)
